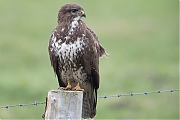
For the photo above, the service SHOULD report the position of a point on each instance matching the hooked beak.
(82, 14)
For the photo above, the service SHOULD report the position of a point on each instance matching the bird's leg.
(78, 88)
(68, 87)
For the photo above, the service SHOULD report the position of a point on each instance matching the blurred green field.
(141, 37)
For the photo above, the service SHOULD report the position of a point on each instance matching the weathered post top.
(62, 104)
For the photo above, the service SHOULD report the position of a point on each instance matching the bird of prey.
(74, 52)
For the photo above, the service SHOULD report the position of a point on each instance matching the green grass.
(140, 36)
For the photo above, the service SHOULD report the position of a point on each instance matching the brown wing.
(96, 51)
(54, 58)
(91, 58)
(91, 61)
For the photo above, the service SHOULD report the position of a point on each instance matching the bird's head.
(70, 12)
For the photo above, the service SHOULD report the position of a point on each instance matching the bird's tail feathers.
(89, 106)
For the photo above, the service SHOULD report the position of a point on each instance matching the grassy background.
(141, 37)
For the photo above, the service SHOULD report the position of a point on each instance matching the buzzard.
(74, 52)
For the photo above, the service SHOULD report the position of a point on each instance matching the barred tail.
(89, 104)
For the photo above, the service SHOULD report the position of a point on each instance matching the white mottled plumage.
(73, 25)
(65, 49)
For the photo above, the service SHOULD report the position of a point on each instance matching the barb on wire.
(106, 96)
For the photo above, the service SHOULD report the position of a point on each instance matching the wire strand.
(105, 97)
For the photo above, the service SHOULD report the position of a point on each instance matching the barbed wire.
(139, 93)
(22, 105)
(105, 97)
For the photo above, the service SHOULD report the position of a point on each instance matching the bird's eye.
(74, 10)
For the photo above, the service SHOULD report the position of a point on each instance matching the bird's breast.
(68, 51)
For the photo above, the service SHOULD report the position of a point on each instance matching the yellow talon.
(67, 87)
(78, 88)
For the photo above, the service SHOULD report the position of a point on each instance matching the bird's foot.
(68, 87)
(78, 88)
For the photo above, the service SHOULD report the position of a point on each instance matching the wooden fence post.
(62, 104)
